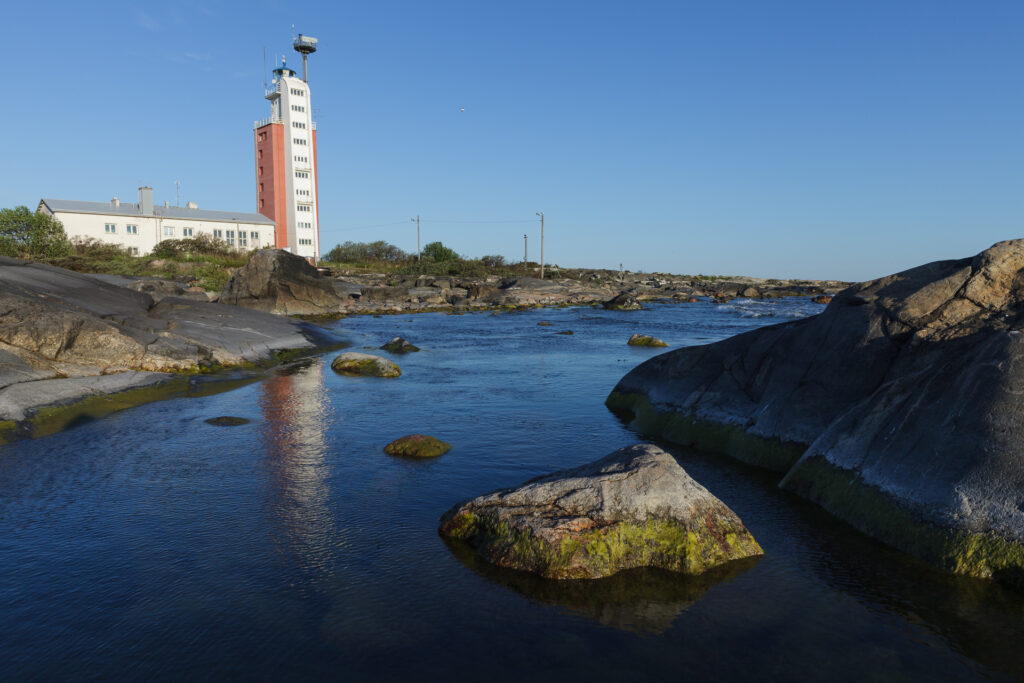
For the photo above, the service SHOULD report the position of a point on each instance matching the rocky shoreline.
(75, 345)
(896, 409)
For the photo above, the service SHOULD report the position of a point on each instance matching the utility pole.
(524, 249)
(541, 214)
(417, 219)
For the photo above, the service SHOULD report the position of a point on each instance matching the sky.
(829, 140)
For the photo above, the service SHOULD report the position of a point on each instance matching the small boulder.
(822, 299)
(399, 345)
(418, 446)
(355, 363)
(645, 340)
(623, 302)
(564, 332)
(636, 507)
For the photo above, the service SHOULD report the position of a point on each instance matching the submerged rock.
(897, 408)
(276, 281)
(418, 446)
(227, 421)
(399, 345)
(355, 363)
(623, 302)
(565, 332)
(645, 340)
(636, 507)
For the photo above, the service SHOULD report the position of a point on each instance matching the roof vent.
(115, 202)
(191, 205)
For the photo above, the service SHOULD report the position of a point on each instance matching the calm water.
(150, 545)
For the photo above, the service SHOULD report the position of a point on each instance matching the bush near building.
(27, 234)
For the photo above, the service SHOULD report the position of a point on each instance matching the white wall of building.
(295, 111)
(153, 229)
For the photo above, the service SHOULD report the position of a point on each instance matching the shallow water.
(150, 544)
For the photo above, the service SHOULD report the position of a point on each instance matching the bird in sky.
(462, 109)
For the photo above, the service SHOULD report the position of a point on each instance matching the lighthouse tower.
(286, 187)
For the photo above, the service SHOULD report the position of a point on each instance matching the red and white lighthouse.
(286, 177)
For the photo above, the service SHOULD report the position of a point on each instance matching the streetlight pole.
(541, 214)
(417, 219)
(524, 249)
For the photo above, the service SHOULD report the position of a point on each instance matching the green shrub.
(366, 252)
(438, 253)
(200, 245)
(28, 234)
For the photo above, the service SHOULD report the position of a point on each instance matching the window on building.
(242, 241)
(301, 174)
(218, 234)
(304, 207)
(298, 107)
(186, 232)
(259, 154)
(261, 187)
(263, 136)
(131, 229)
(231, 237)
(134, 251)
(260, 171)
(305, 243)
(110, 228)
(261, 203)
(168, 231)
(297, 92)
(298, 141)
(255, 237)
(298, 124)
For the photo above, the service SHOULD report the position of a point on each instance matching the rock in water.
(277, 281)
(623, 302)
(634, 508)
(645, 340)
(418, 446)
(897, 408)
(399, 345)
(354, 363)
(227, 421)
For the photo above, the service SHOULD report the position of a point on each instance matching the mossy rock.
(544, 324)
(363, 364)
(399, 345)
(418, 446)
(227, 421)
(645, 340)
(634, 508)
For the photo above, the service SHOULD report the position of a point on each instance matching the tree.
(437, 252)
(363, 252)
(28, 234)
(493, 260)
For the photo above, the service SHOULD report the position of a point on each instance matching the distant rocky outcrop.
(634, 508)
(897, 408)
(276, 281)
(418, 446)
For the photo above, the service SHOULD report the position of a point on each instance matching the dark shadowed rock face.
(634, 508)
(399, 345)
(279, 282)
(898, 408)
(623, 302)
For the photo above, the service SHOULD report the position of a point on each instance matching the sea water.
(152, 545)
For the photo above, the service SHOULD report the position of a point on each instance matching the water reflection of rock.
(296, 411)
(642, 600)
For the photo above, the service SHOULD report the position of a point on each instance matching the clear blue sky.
(789, 139)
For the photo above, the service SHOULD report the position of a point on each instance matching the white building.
(286, 168)
(139, 227)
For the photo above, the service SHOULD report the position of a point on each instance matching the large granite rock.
(57, 326)
(279, 282)
(898, 408)
(634, 508)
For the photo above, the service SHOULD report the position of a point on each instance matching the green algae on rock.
(354, 363)
(645, 340)
(418, 446)
(637, 507)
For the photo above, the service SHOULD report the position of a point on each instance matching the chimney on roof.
(115, 202)
(167, 205)
(191, 205)
(146, 201)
